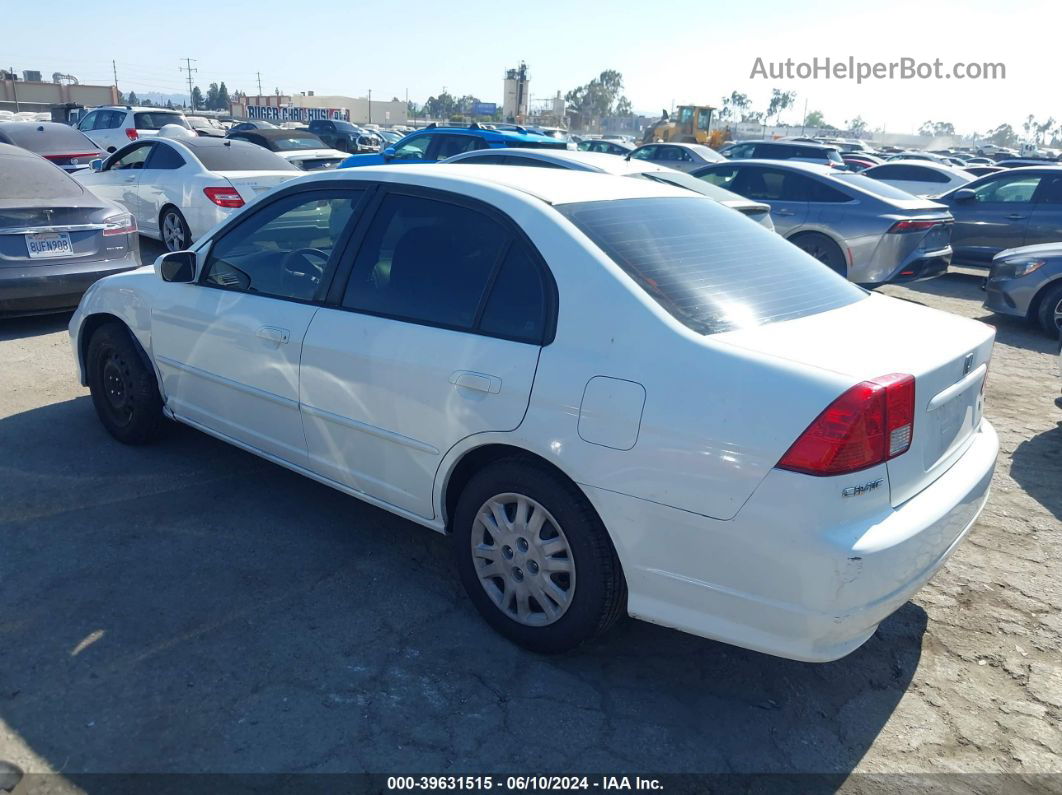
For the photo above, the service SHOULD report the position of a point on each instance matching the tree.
(133, 98)
(857, 126)
(440, 107)
(197, 98)
(595, 99)
(815, 119)
(780, 100)
(935, 128)
(623, 107)
(735, 107)
(223, 98)
(1029, 125)
(1042, 129)
(211, 97)
(1003, 135)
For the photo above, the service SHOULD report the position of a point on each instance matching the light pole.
(370, 107)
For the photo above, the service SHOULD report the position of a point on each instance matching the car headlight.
(1021, 267)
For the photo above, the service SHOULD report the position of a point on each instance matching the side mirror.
(389, 153)
(964, 195)
(96, 164)
(178, 266)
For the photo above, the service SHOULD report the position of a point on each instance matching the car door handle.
(273, 334)
(129, 180)
(784, 212)
(480, 382)
(1015, 216)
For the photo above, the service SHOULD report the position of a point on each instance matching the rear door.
(434, 336)
(1045, 222)
(996, 218)
(228, 346)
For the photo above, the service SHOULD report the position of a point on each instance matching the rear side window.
(426, 261)
(450, 145)
(516, 308)
(709, 267)
(164, 157)
(157, 119)
(239, 157)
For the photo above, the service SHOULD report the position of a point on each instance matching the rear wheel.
(124, 390)
(824, 250)
(535, 559)
(1049, 313)
(176, 235)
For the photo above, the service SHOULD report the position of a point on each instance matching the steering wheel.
(315, 272)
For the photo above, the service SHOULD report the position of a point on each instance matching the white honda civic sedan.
(615, 395)
(177, 189)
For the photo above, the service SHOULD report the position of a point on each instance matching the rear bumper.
(54, 288)
(775, 578)
(928, 265)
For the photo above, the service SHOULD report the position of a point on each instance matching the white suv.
(111, 128)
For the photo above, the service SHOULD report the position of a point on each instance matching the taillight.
(224, 197)
(123, 224)
(910, 225)
(867, 425)
(131, 133)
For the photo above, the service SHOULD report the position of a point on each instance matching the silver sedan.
(684, 157)
(864, 229)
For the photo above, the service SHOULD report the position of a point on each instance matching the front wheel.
(176, 235)
(124, 390)
(535, 559)
(1050, 313)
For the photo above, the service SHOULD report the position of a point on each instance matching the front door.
(994, 219)
(120, 178)
(435, 337)
(785, 191)
(228, 346)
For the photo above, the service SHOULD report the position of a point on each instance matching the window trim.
(338, 287)
(156, 147)
(338, 250)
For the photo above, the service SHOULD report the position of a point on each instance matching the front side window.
(645, 153)
(723, 177)
(707, 266)
(89, 122)
(426, 261)
(284, 248)
(130, 158)
(1013, 188)
(413, 148)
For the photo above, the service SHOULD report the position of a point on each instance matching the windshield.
(712, 269)
(157, 119)
(239, 157)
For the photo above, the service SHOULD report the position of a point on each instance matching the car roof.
(280, 132)
(596, 161)
(553, 186)
(803, 144)
(932, 165)
(500, 136)
(137, 108)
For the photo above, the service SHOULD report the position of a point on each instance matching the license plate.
(54, 244)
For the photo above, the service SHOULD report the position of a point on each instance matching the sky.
(678, 51)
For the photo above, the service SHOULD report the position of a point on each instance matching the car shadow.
(187, 607)
(1040, 481)
(13, 328)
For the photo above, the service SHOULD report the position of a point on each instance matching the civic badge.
(866, 488)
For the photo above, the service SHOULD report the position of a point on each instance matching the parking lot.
(189, 607)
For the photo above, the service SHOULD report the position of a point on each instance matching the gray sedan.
(56, 238)
(864, 229)
(1026, 282)
(684, 157)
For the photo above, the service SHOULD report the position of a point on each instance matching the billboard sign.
(291, 113)
(484, 108)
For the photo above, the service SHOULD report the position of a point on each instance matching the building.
(38, 96)
(359, 110)
(516, 93)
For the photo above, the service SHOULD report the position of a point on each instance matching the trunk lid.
(254, 183)
(947, 355)
(79, 230)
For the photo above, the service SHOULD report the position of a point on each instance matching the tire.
(1049, 311)
(173, 229)
(570, 557)
(124, 390)
(824, 250)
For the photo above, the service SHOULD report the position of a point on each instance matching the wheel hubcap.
(1058, 316)
(172, 232)
(523, 559)
(116, 380)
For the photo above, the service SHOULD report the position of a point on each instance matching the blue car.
(433, 144)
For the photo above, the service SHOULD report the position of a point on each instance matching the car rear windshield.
(874, 186)
(295, 142)
(53, 139)
(237, 157)
(34, 178)
(713, 269)
(157, 119)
